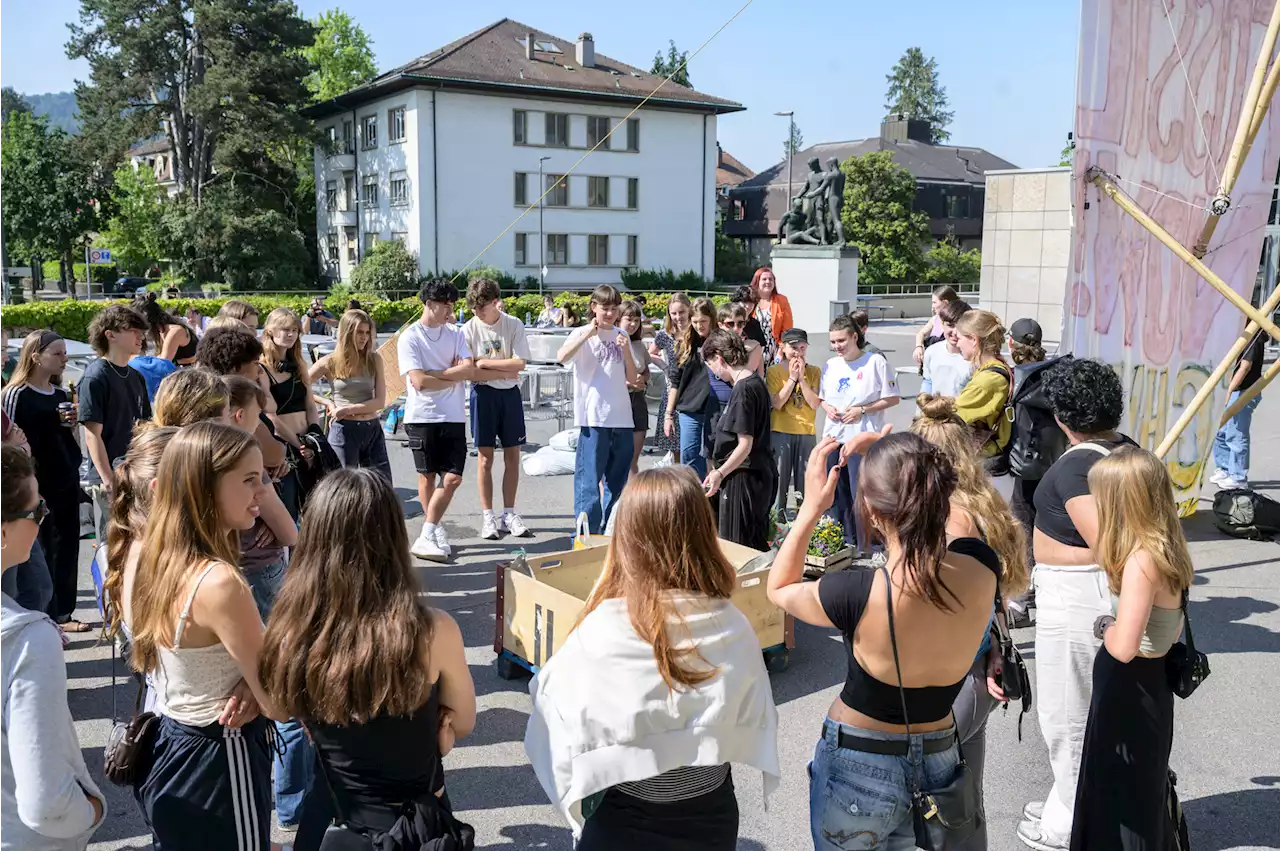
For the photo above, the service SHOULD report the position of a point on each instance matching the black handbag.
(1015, 680)
(946, 817)
(129, 746)
(1187, 667)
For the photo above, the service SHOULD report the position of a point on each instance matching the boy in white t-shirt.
(435, 359)
(857, 387)
(498, 343)
(946, 371)
(603, 372)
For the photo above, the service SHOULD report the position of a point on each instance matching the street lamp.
(790, 115)
(542, 239)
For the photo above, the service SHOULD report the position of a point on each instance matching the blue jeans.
(692, 432)
(265, 585)
(844, 509)
(604, 454)
(863, 800)
(1231, 444)
(30, 584)
(294, 771)
(361, 443)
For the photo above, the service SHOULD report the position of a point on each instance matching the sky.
(1008, 65)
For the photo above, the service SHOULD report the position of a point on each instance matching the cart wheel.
(776, 661)
(508, 669)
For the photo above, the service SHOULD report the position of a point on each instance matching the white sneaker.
(489, 527)
(1032, 836)
(1234, 484)
(1218, 477)
(425, 547)
(515, 525)
(1033, 811)
(442, 541)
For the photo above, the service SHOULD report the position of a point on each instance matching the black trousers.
(60, 539)
(706, 823)
(745, 498)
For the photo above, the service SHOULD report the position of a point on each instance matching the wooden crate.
(537, 610)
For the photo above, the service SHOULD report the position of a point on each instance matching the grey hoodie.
(42, 795)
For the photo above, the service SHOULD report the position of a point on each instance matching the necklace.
(426, 332)
(121, 375)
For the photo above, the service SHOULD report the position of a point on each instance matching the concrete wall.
(1026, 246)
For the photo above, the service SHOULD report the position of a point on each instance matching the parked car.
(128, 286)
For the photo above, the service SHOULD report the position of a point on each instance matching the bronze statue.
(814, 217)
(794, 227)
(811, 194)
(833, 200)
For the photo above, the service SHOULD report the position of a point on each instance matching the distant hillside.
(59, 107)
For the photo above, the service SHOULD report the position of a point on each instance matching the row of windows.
(397, 191)
(556, 131)
(349, 234)
(557, 249)
(556, 187)
(368, 132)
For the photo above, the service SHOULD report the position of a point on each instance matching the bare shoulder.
(444, 629)
(222, 583)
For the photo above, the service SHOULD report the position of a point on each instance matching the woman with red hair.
(773, 311)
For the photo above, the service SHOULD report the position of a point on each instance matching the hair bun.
(936, 407)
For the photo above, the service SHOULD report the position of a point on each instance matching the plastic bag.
(565, 441)
(668, 460)
(549, 462)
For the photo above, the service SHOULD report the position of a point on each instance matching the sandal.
(74, 625)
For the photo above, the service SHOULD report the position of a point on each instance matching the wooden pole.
(1248, 395)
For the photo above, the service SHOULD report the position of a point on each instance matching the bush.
(947, 264)
(388, 268)
(102, 274)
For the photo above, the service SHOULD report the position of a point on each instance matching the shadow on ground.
(1246, 818)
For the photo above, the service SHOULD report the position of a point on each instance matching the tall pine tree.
(673, 65)
(914, 91)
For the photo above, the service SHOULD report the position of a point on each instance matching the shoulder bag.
(946, 817)
(1187, 667)
(1014, 678)
(130, 743)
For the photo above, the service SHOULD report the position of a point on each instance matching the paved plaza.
(1225, 751)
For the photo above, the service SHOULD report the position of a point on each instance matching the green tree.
(794, 143)
(947, 264)
(673, 64)
(914, 91)
(10, 102)
(879, 218)
(135, 232)
(341, 56)
(388, 268)
(1067, 157)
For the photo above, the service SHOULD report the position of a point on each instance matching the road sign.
(99, 255)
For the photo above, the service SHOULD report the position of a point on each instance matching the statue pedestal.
(813, 276)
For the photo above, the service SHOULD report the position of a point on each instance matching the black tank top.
(289, 392)
(187, 351)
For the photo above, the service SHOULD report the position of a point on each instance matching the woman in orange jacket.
(773, 311)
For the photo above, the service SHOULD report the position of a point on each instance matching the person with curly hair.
(1087, 400)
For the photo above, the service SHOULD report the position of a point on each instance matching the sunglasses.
(38, 514)
(739, 324)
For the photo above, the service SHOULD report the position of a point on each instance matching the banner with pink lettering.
(1160, 91)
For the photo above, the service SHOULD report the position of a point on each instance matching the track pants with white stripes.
(209, 787)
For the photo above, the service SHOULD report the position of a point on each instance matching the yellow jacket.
(982, 404)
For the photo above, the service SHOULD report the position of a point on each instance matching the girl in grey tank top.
(357, 395)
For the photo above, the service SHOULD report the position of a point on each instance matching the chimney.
(586, 51)
(896, 127)
(528, 45)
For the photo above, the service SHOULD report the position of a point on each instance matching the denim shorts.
(862, 800)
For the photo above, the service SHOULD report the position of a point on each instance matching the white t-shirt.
(857, 382)
(600, 395)
(426, 348)
(945, 373)
(501, 340)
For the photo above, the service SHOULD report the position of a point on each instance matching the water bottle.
(459, 315)
(527, 315)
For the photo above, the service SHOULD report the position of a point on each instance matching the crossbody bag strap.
(324, 771)
(897, 666)
(1186, 625)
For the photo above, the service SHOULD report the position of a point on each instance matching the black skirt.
(706, 823)
(745, 499)
(1124, 770)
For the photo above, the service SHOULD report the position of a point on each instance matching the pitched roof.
(936, 163)
(159, 145)
(493, 58)
(729, 169)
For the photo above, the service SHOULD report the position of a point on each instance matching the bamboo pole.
(1248, 395)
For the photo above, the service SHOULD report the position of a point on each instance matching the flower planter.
(836, 561)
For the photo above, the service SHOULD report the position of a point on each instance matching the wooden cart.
(537, 609)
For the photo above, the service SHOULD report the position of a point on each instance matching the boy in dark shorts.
(435, 360)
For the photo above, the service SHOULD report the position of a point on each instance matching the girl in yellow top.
(983, 400)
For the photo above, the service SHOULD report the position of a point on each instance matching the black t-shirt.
(1254, 354)
(115, 396)
(1067, 479)
(53, 445)
(754, 330)
(693, 393)
(747, 413)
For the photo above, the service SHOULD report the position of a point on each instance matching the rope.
(1208, 149)
(1145, 188)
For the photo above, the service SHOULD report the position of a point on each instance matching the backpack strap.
(1093, 447)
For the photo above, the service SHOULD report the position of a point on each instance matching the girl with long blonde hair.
(196, 633)
(688, 689)
(1120, 797)
(286, 372)
(359, 394)
(190, 396)
(663, 351)
(689, 399)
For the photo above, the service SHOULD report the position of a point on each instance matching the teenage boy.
(234, 352)
(793, 391)
(857, 387)
(946, 371)
(500, 348)
(603, 370)
(435, 360)
(1231, 443)
(113, 396)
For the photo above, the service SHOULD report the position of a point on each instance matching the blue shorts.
(497, 417)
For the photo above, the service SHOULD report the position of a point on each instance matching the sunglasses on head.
(38, 514)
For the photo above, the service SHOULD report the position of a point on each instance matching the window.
(597, 192)
(331, 195)
(370, 242)
(522, 195)
(349, 192)
(331, 246)
(522, 249)
(331, 139)
(370, 193)
(399, 189)
(395, 124)
(559, 194)
(557, 249)
(350, 234)
(369, 132)
(597, 129)
(598, 250)
(633, 134)
(631, 250)
(540, 45)
(400, 236)
(633, 193)
(520, 126)
(557, 130)
(348, 138)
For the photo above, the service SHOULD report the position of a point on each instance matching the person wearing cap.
(793, 390)
(1025, 338)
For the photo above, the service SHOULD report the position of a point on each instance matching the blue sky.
(1008, 65)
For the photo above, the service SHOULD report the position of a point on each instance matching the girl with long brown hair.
(649, 768)
(932, 331)
(663, 352)
(689, 399)
(359, 394)
(196, 633)
(911, 631)
(172, 339)
(379, 680)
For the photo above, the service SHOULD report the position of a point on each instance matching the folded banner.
(1158, 101)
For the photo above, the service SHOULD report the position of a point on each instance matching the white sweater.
(603, 715)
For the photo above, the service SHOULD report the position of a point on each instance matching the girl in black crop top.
(287, 374)
(942, 597)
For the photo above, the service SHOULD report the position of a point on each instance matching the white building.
(157, 155)
(444, 154)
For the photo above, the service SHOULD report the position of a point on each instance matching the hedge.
(102, 273)
(71, 318)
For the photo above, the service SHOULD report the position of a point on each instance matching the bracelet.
(918, 346)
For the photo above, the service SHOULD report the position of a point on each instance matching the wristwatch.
(1101, 624)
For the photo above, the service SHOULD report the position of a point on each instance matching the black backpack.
(1244, 514)
(1036, 440)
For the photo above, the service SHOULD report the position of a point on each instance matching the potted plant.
(827, 548)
